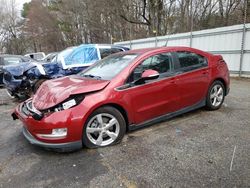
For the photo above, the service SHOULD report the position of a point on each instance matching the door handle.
(205, 72)
(172, 80)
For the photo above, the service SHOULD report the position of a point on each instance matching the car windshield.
(62, 55)
(38, 56)
(109, 67)
(12, 60)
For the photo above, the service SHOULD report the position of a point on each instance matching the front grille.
(7, 76)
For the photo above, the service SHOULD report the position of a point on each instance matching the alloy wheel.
(103, 129)
(216, 95)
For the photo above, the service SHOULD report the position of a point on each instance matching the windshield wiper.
(92, 76)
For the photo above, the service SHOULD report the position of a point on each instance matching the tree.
(52, 25)
(11, 28)
(26, 8)
(41, 28)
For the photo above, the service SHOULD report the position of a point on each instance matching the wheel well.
(121, 110)
(223, 82)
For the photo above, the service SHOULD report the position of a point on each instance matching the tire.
(10, 94)
(99, 131)
(215, 96)
(38, 84)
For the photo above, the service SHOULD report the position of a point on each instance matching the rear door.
(192, 77)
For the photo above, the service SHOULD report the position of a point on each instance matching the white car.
(36, 56)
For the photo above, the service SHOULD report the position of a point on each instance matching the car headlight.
(72, 101)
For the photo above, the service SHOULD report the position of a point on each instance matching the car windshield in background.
(38, 56)
(109, 67)
(12, 60)
(62, 55)
(84, 56)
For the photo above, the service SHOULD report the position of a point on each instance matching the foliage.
(26, 7)
(52, 25)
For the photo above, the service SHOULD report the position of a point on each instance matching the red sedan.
(122, 92)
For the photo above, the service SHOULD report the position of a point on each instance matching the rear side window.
(105, 52)
(116, 50)
(189, 59)
(108, 51)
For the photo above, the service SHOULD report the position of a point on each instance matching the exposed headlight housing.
(72, 101)
(69, 104)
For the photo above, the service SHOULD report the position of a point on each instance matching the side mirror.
(147, 75)
(150, 75)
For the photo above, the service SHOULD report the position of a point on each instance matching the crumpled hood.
(53, 92)
(20, 68)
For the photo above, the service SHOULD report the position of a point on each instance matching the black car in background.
(6, 60)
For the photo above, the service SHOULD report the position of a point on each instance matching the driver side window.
(160, 63)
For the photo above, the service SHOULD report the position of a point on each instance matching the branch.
(133, 21)
(144, 12)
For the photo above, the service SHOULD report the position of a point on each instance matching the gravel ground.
(192, 150)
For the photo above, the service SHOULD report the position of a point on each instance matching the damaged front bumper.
(40, 129)
(62, 146)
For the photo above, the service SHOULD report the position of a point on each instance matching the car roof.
(170, 48)
(103, 45)
(34, 53)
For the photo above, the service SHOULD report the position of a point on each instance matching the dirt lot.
(192, 150)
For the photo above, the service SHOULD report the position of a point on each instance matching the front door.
(156, 97)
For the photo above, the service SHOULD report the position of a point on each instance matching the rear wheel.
(105, 126)
(215, 96)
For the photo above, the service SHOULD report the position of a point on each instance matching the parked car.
(23, 80)
(36, 55)
(124, 91)
(6, 60)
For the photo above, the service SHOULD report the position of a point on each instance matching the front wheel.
(38, 84)
(105, 126)
(215, 96)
